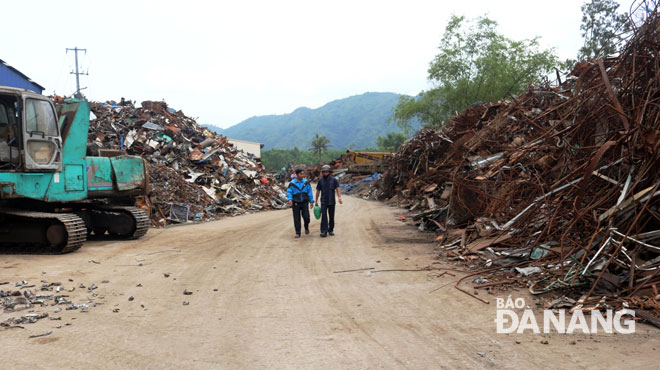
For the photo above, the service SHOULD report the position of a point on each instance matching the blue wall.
(10, 77)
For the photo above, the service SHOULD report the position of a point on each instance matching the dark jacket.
(327, 185)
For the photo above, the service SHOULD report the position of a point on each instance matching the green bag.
(317, 212)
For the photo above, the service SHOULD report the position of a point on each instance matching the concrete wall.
(247, 146)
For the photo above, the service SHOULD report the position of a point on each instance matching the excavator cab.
(9, 144)
(29, 136)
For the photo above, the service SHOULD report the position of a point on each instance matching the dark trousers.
(327, 218)
(298, 210)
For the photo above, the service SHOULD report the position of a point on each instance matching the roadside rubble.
(355, 171)
(359, 185)
(557, 191)
(353, 165)
(313, 172)
(194, 173)
(31, 301)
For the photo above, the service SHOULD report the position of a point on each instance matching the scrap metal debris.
(25, 300)
(354, 270)
(355, 171)
(41, 335)
(557, 190)
(194, 173)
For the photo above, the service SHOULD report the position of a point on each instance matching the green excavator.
(53, 193)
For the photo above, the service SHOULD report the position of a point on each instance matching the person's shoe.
(297, 236)
(331, 233)
(306, 231)
(323, 235)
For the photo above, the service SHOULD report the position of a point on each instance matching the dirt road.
(264, 300)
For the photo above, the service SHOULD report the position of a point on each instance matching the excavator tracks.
(27, 232)
(119, 222)
(142, 221)
(51, 232)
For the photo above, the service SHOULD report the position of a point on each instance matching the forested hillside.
(354, 122)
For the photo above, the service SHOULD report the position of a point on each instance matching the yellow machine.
(367, 162)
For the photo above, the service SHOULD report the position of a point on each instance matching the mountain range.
(353, 122)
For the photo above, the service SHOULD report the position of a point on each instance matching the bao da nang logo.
(509, 320)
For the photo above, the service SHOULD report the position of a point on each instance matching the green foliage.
(276, 159)
(425, 107)
(475, 63)
(320, 145)
(602, 28)
(391, 142)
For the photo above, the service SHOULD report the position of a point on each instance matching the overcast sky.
(227, 61)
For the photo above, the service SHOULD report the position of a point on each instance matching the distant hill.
(353, 122)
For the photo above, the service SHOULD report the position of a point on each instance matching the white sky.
(227, 61)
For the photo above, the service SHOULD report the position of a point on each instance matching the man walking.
(326, 187)
(300, 196)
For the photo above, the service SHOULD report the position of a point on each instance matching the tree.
(320, 145)
(602, 28)
(275, 159)
(425, 107)
(391, 142)
(475, 63)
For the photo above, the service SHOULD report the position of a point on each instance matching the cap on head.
(325, 168)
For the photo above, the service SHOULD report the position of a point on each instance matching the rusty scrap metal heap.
(558, 190)
(194, 173)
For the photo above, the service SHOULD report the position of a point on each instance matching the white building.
(247, 146)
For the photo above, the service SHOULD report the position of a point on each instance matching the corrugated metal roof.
(20, 73)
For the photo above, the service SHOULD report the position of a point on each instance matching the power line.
(77, 72)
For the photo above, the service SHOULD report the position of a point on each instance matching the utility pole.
(77, 73)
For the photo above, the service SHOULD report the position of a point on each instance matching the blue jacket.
(300, 191)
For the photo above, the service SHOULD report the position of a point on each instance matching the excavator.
(53, 192)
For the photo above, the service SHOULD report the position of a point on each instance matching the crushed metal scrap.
(557, 191)
(48, 294)
(194, 173)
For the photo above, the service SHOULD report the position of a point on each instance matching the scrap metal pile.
(194, 173)
(558, 190)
